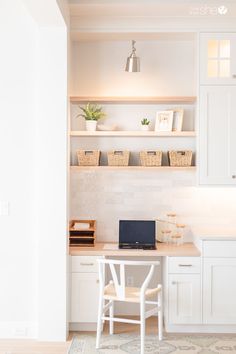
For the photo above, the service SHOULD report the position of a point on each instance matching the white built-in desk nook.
(197, 277)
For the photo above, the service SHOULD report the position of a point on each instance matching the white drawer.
(183, 265)
(219, 248)
(84, 264)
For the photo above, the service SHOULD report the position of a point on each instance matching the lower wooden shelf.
(160, 168)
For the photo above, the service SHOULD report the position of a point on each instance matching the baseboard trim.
(16, 330)
(200, 328)
(83, 326)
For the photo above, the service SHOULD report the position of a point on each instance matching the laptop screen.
(137, 232)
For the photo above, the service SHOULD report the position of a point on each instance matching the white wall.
(166, 68)
(17, 242)
(33, 110)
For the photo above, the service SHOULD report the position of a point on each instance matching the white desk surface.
(103, 249)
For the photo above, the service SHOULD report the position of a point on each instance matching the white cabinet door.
(84, 297)
(217, 135)
(218, 59)
(184, 299)
(219, 294)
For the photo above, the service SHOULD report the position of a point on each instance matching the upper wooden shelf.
(137, 100)
(133, 133)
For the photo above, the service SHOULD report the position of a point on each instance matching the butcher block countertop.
(111, 249)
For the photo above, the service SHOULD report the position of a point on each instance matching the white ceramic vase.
(144, 127)
(91, 125)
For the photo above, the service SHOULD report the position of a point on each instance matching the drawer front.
(84, 264)
(184, 265)
(219, 248)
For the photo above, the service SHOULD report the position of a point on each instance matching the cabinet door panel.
(184, 299)
(84, 297)
(219, 300)
(218, 55)
(217, 142)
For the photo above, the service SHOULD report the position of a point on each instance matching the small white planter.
(144, 127)
(91, 125)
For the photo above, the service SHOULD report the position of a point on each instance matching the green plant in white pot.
(145, 124)
(91, 113)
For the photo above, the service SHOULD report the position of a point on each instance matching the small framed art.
(164, 121)
(178, 119)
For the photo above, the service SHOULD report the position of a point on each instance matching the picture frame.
(178, 119)
(164, 121)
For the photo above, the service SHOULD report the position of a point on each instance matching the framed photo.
(178, 119)
(164, 121)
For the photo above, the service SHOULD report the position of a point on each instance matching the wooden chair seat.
(132, 294)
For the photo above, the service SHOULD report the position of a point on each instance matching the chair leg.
(99, 321)
(160, 313)
(111, 314)
(142, 325)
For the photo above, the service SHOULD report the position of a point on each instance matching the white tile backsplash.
(109, 196)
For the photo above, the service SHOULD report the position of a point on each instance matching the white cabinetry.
(217, 111)
(218, 59)
(184, 290)
(217, 138)
(84, 290)
(219, 286)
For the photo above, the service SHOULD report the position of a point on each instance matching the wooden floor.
(21, 346)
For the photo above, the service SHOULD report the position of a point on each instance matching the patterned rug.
(172, 343)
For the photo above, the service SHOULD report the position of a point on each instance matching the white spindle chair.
(117, 291)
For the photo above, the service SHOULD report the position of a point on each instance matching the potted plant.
(91, 113)
(145, 124)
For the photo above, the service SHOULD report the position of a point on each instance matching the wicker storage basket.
(151, 158)
(88, 157)
(118, 158)
(180, 158)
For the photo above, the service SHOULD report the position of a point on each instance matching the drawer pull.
(86, 264)
(233, 176)
(185, 265)
(234, 76)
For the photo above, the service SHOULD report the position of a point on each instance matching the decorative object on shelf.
(92, 113)
(133, 62)
(180, 158)
(145, 124)
(118, 158)
(150, 158)
(88, 157)
(178, 119)
(164, 121)
(107, 128)
(83, 235)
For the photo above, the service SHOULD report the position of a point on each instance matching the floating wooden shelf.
(133, 133)
(137, 100)
(159, 168)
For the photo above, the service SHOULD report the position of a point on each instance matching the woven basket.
(151, 158)
(180, 158)
(88, 157)
(118, 158)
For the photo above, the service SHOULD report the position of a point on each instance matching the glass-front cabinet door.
(218, 59)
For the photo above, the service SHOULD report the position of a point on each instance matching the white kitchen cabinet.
(84, 289)
(217, 135)
(184, 290)
(184, 299)
(218, 59)
(219, 291)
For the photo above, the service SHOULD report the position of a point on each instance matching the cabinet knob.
(97, 281)
(174, 282)
(233, 176)
(234, 76)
